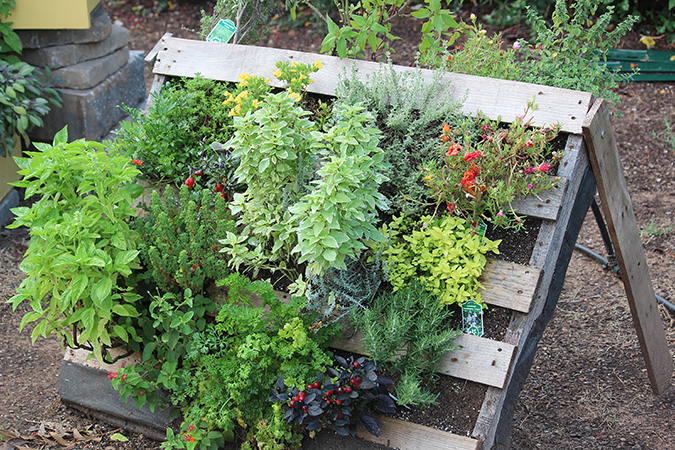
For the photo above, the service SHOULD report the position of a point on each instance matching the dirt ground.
(588, 387)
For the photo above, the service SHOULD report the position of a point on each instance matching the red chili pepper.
(198, 173)
(190, 182)
(219, 187)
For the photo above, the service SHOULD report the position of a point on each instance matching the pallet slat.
(509, 285)
(410, 436)
(494, 97)
(476, 359)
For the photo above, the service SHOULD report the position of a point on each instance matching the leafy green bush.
(173, 136)
(179, 239)
(283, 211)
(82, 250)
(408, 111)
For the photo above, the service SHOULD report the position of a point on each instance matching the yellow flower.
(317, 64)
(244, 76)
(293, 80)
(243, 95)
(302, 76)
(648, 41)
(295, 96)
(277, 73)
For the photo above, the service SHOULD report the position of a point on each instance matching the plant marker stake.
(472, 318)
(222, 32)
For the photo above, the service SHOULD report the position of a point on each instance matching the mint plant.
(82, 251)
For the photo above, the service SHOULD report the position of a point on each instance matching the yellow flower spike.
(317, 64)
(277, 73)
(648, 41)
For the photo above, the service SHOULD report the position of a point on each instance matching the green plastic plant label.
(482, 229)
(222, 32)
(472, 318)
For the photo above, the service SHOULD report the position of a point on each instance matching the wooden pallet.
(530, 291)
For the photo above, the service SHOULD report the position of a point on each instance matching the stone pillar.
(96, 75)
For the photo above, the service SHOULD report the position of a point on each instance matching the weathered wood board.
(622, 226)
(529, 291)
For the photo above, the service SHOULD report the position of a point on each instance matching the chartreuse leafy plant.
(408, 331)
(444, 253)
(82, 250)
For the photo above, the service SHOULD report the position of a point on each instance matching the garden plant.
(277, 222)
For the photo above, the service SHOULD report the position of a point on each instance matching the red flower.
(469, 156)
(446, 128)
(530, 170)
(474, 169)
(137, 162)
(529, 143)
(543, 167)
(194, 268)
(445, 138)
(454, 149)
(451, 208)
(112, 375)
(219, 187)
(191, 427)
(124, 377)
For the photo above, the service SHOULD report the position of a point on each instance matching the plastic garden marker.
(222, 32)
(472, 318)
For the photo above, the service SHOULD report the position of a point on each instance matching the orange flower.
(454, 149)
(446, 128)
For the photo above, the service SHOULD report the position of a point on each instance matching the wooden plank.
(618, 211)
(509, 285)
(410, 436)
(496, 414)
(152, 54)
(476, 359)
(545, 205)
(494, 97)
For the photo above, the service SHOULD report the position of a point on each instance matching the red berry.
(293, 404)
(348, 390)
(316, 385)
(198, 173)
(301, 396)
(340, 415)
(340, 390)
(219, 187)
(224, 195)
(356, 364)
(190, 182)
(338, 402)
